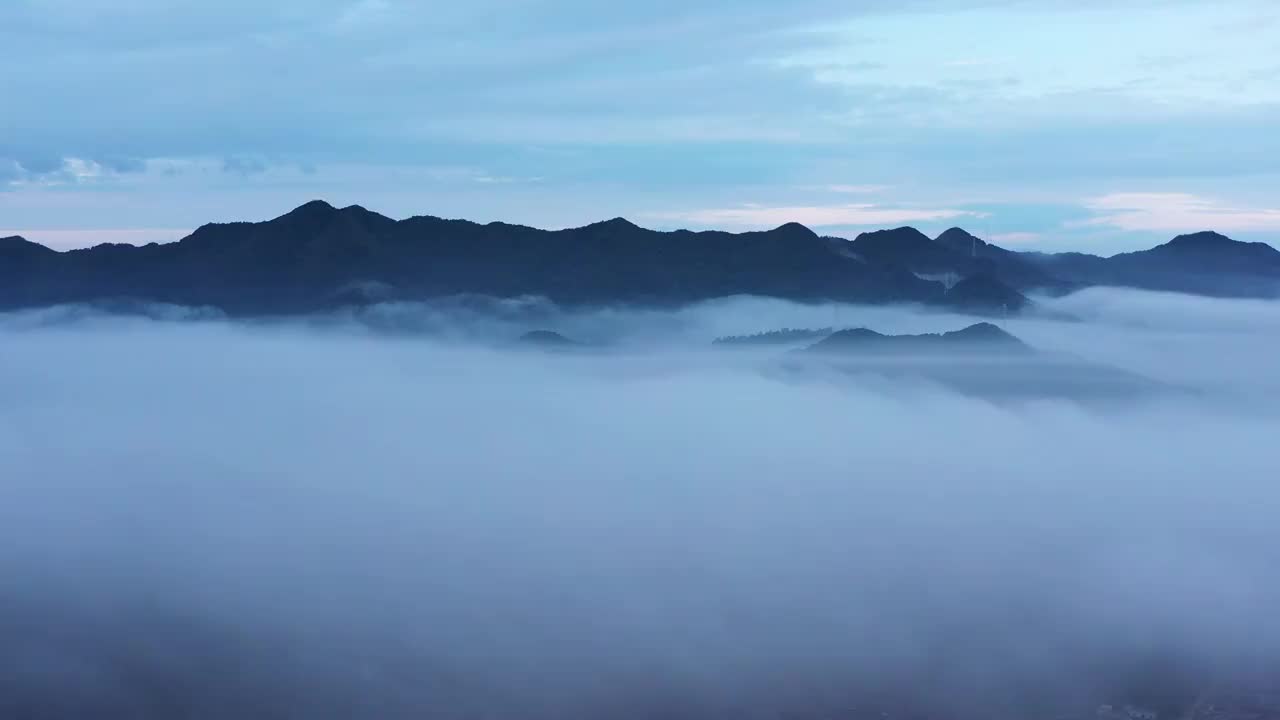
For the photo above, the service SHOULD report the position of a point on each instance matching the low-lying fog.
(396, 513)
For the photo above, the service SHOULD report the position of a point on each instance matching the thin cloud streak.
(1179, 213)
(857, 214)
(858, 189)
(1015, 238)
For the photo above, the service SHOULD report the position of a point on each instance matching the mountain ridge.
(1202, 263)
(953, 255)
(318, 256)
(981, 337)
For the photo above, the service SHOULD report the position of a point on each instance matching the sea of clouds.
(399, 512)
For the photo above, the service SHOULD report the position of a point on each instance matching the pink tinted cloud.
(1178, 212)
(759, 216)
(1015, 238)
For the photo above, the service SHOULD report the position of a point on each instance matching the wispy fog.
(399, 513)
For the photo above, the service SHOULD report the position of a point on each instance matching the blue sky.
(1102, 126)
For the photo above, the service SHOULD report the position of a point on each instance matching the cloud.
(39, 163)
(1179, 212)
(1038, 58)
(48, 172)
(550, 65)
(862, 214)
(1014, 238)
(970, 62)
(363, 14)
(10, 172)
(858, 189)
(371, 526)
(244, 165)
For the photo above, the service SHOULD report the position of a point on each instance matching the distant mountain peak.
(905, 234)
(18, 245)
(1207, 244)
(962, 241)
(854, 335)
(618, 224)
(310, 211)
(957, 232)
(317, 214)
(1204, 238)
(795, 228)
(364, 215)
(974, 276)
(1201, 263)
(981, 336)
(313, 206)
(984, 291)
(956, 237)
(983, 332)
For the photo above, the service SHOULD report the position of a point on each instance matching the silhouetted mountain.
(962, 241)
(978, 283)
(1010, 267)
(20, 258)
(317, 257)
(775, 337)
(982, 338)
(913, 250)
(983, 292)
(1204, 263)
(981, 360)
(16, 248)
(18, 254)
(1201, 253)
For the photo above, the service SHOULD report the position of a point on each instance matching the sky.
(1098, 126)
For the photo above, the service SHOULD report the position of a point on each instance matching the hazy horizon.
(63, 240)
